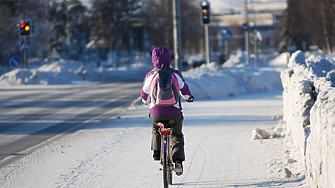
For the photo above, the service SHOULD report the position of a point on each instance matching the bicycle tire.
(169, 162)
(165, 170)
(170, 173)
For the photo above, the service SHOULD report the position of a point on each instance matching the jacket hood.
(160, 56)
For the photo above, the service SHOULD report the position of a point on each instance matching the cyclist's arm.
(184, 89)
(146, 88)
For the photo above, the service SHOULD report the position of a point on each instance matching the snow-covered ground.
(234, 99)
(220, 6)
(116, 152)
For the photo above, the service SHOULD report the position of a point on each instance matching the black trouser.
(177, 137)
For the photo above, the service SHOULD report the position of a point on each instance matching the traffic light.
(25, 27)
(205, 13)
(244, 26)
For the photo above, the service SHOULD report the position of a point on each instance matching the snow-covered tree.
(115, 23)
(68, 33)
(9, 39)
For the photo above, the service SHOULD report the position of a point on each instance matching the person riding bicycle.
(172, 115)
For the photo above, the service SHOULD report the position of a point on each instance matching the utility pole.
(226, 49)
(47, 13)
(246, 32)
(255, 47)
(176, 34)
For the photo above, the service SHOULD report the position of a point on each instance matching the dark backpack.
(164, 87)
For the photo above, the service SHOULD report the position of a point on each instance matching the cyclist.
(172, 114)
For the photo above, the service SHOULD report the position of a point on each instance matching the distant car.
(198, 63)
(221, 59)
(185, 65)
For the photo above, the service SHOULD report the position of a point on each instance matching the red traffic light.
(22, 24)
(25, 27)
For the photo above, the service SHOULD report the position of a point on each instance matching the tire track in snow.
(210, 163)
(17, 170)
(233, 151)
(203, 164)
(193, 158)
(229, 161)
(207, 162)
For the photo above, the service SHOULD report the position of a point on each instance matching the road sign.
(25, 44)
(258, 36)
(14, 61)
(226, 34)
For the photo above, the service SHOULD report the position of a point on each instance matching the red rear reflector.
(165, 133)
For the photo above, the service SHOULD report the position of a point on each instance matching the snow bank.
(233, 78)
(70, 72)
(320, 149)
(308, 105)
(208, 81)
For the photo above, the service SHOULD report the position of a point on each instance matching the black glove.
(190, 99)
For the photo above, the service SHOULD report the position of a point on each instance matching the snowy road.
(116, 152)
(34, 114)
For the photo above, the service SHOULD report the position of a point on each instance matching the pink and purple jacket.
(161, 56)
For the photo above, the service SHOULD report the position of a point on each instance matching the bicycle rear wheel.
(166, 171)
(170, 173)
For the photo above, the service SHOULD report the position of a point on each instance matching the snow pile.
(261, 134)
(309, 108)
(70, 72)
(234, 77)
(274, 132)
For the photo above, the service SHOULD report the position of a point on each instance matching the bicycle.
(166, 156)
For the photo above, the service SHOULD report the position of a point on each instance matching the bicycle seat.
(168, 123)
(164, 131)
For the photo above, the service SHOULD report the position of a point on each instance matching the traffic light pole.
(206, 20)
(176, 34)
(25, 58)
(24, 9)
(208, 60)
